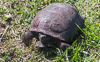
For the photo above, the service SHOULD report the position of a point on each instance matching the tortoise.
(55, 25)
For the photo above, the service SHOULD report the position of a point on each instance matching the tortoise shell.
(58, 20)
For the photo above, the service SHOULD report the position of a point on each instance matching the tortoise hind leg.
(61, 44)
(27, 38)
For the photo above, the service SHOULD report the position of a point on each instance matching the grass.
(85, 48)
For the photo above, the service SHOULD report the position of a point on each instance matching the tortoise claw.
(39, 44)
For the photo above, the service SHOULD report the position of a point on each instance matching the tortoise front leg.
(27, 38)
(43, 41)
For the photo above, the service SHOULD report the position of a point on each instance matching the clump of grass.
(86, 46)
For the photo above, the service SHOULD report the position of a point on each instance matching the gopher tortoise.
(55, 25)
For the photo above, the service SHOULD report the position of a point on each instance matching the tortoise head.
(27, 38)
